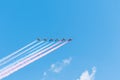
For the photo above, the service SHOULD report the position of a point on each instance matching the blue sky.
(93, 25)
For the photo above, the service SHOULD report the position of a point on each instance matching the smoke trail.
(31, 51)
(16, 55)
(27, 55)
(36, 54)
(3, 59)
(31, 57)
(26, 63)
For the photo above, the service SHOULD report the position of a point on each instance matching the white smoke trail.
(27, 56)
(35, 55)
(16, 68)
(16, 55)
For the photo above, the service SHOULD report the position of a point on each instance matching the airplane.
(63, 39)
(45, 39)
(70, 39)
(51, 40)
(38, 39)
(56, 40)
